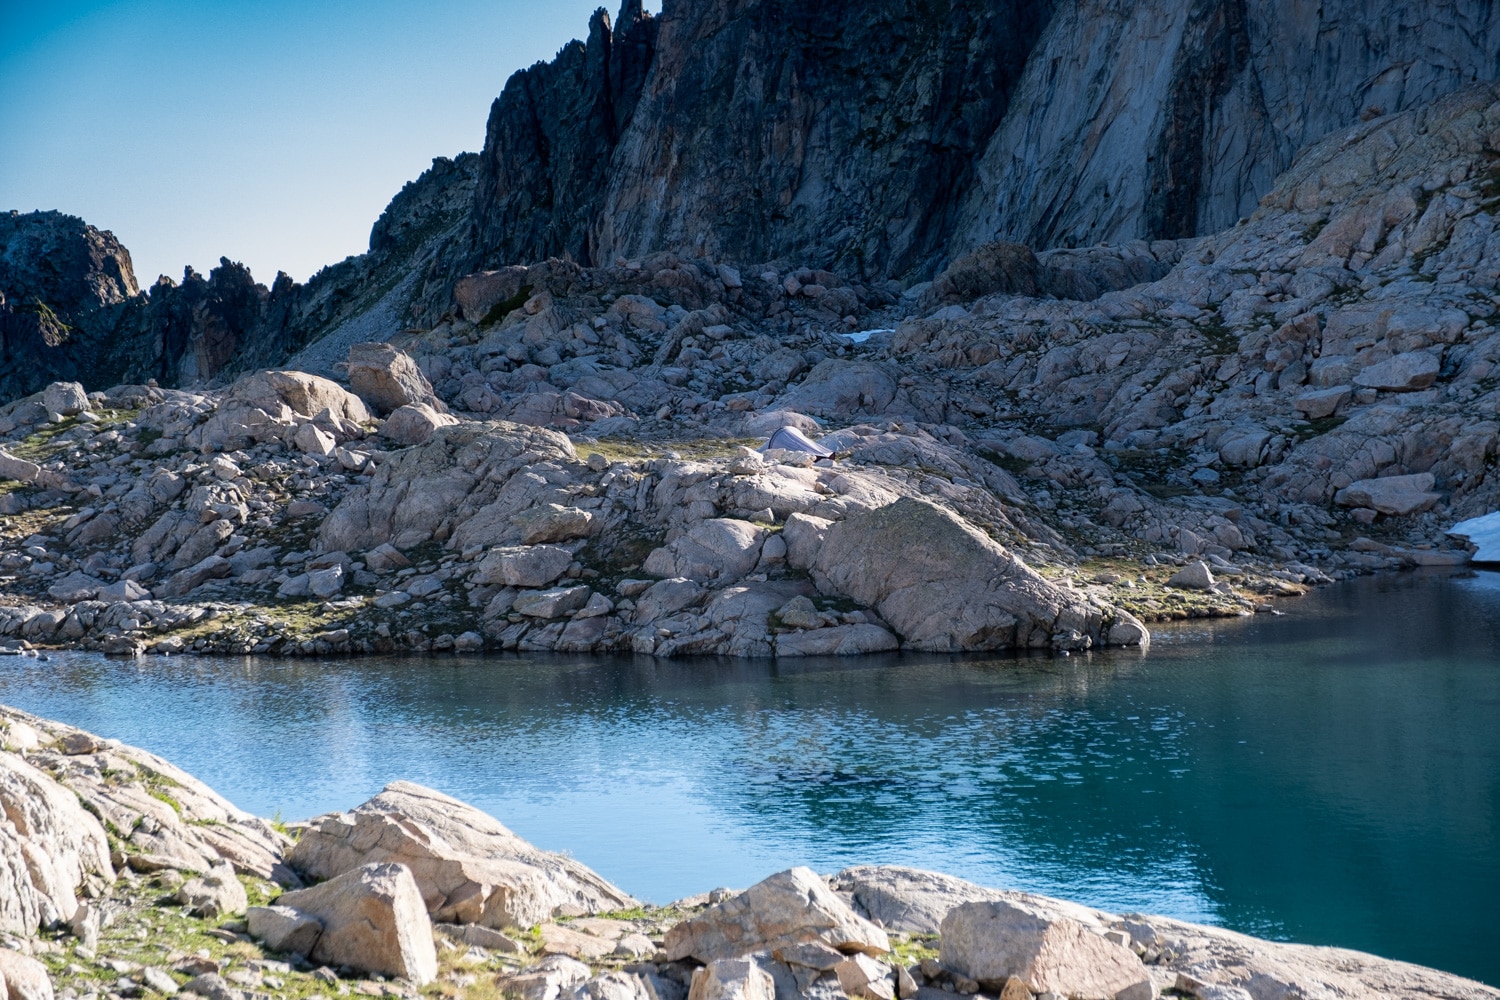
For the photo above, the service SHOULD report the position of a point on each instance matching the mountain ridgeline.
(877, 140)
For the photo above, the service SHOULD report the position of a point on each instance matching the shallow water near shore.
(1330, 776)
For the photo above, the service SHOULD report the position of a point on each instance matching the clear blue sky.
(269, 131)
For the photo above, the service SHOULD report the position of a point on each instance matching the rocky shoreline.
(1043, 451)
(121, 876)
(280, 517)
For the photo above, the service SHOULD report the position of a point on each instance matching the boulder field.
(121, 875)
(1044, 451)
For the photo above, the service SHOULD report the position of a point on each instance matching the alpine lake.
(1329, 775)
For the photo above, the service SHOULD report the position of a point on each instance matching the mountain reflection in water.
(1332, 775)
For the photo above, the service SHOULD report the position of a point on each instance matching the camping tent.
(791, 439)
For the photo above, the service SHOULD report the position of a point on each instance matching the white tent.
(791, 439)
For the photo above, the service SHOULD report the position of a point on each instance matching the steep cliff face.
(882, 138)
(1163, 120)
(822, 133)
(549, 142)
(753, 129)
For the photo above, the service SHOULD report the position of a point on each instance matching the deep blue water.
(1329, 776)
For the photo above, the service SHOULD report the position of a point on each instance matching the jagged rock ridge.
(70, 306)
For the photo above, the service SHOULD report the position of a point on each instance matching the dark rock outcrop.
(70, 307)
(549, 142)
(63, 285)
(826, 135)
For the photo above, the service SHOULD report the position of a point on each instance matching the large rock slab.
(1402, 373)
(906, 899)
(373, 920)
(23, 977)
(174, 819)
(469, 868)
(991, 941)
(842, 389)
(479, 293)
(1396, 495)
(267, 406)
(665, 597)
(48, 844)
(553, 522)
(414, 423)
(67, 399)
(1321, 403)
(550, 604)
(283, 929)
(214, 894)
(1011, 268)
(1220, 963)
(1194, 576)
(186, 580)
(718, 550)
(18, 469)
(839, 640)
(468, 478)
(523, 565)
(387, 378)
(945, 586)
(791, 907)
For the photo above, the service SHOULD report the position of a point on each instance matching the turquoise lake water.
(1329, 776)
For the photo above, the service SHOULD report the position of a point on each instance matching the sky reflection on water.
(1323, 776)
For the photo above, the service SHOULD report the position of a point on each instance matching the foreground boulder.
(468, 867)
(373, 920)
(283, 929)
(732, 979)
(990, 942)
(1395, 495)
(790, 908)
(215, 894)
(66, 399)
(22, 977)
(721, 549)
(905, 899)
(414, 423)
(48, 844)
(387, 378)
(57, 800)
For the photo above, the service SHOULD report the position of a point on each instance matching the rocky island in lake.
(754, 330)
